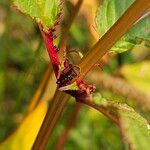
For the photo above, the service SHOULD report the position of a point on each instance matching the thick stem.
(52, 116)
(135, 11)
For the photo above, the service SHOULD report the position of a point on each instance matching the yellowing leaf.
(24, 137)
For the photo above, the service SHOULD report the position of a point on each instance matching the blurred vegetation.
(23, 60)
(21, 65)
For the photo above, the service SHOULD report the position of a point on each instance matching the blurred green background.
(23, 60)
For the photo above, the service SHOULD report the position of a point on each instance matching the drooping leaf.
(43, 11)
(109, 12)
(24, 137)
(135, 128)
(138, 74)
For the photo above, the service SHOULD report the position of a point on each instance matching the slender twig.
(71, 121)
(102, 109)
(114, 117)
(124, 23)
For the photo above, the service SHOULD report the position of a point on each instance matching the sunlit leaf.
(24, 137)
(43, 11)
(109, 12)
(138, 74)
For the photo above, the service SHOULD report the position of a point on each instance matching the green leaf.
(135, 128)
(43, 11)
(109, 12)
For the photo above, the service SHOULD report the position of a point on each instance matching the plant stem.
(114, 117)
(124, 23)
(104, 110)
(71, 121)
(52, 116)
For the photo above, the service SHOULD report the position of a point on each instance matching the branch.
(124, 23)
(121, 87)
(102, 109)
(113, 117)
